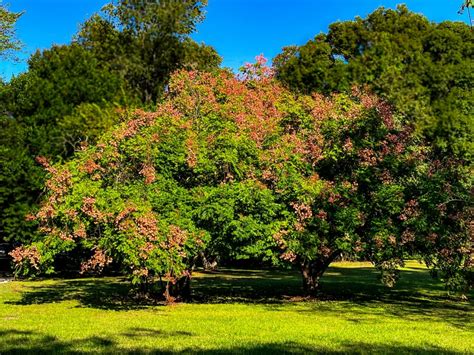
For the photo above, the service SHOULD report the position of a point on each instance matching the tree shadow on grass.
(101, 293)
(417, 296)
(338, 284)
(146, 332)
(117, 294)
(26, 342)
(250, 286)
(358, 291)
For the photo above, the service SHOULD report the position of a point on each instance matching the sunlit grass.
(248, 311)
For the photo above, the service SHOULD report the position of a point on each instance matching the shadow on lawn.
(145, 332)
(25, 342)
(100, 293)
(358, 290)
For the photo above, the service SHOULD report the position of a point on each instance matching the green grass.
(240, 311)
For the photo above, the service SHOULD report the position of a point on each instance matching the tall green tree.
(57, 82)
(423, 68)
(147, 40)
(312, 67)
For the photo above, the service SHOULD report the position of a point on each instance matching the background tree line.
(423, 68)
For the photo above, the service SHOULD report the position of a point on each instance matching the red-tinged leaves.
(339, 173)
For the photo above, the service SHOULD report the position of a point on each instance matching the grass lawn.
(240, 311)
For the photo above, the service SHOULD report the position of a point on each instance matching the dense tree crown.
(423, 68)
(145, 41)
(245, 168)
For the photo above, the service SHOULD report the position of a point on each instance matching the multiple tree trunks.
(311, 271)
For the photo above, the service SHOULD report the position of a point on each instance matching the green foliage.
(8, 42)
(241, 218)
(247, 169)
(423, 68)
(312, 67)
(145, 41)
(59, 79)
(58, 103)
(87, 122)
(21, 180)
(71, 94)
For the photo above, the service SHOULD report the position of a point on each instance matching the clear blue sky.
(238, 29)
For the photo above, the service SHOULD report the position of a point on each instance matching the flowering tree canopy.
(245, 168)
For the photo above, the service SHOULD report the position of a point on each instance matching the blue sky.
(238, 29)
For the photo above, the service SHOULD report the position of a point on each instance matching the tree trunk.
(311, 273)
(180, 289)
(313, 270)
(184, 287)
